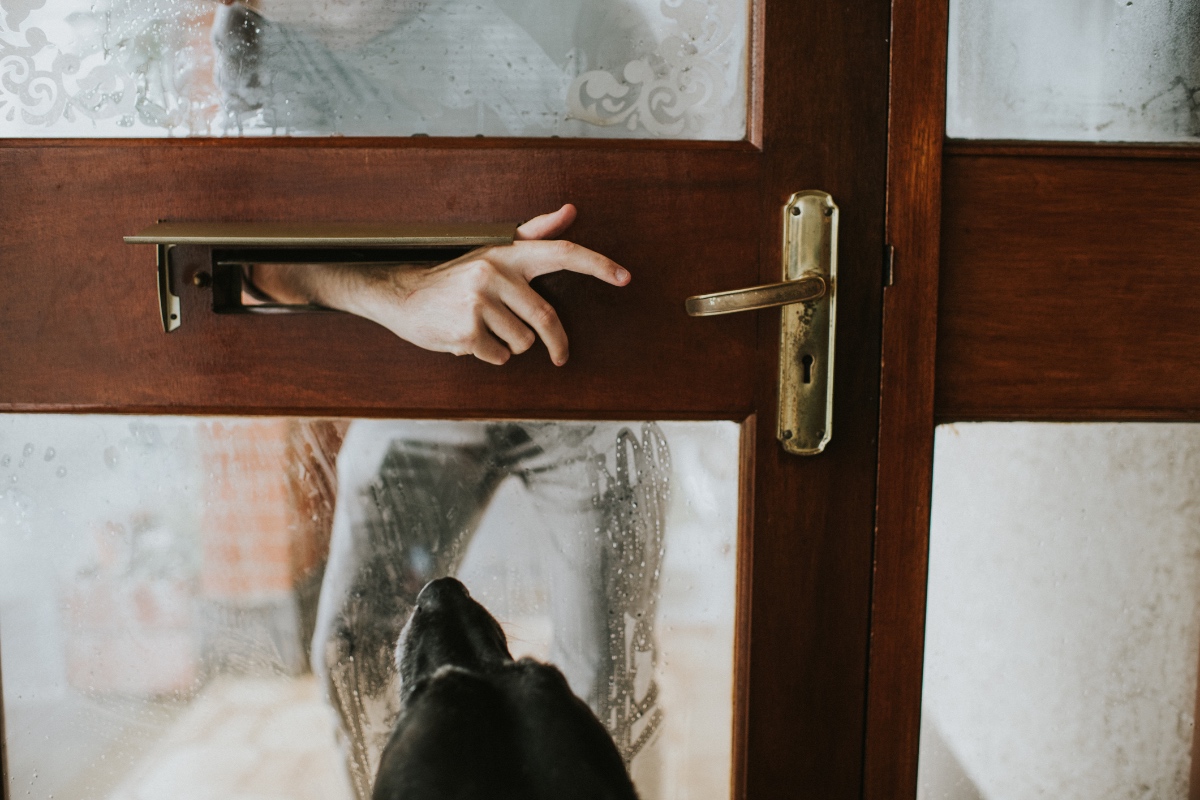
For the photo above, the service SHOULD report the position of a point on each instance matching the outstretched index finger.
(531, 259)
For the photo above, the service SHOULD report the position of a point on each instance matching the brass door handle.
(808, 294)
(802, 290)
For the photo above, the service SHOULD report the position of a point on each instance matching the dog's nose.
(440, 590)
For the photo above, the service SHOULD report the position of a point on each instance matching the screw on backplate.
(787, 434)
(202, 279)
(829, 212)
(795, 211)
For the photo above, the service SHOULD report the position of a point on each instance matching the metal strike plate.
(362, 243)
(810, 229)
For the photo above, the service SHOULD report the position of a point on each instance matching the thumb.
(548, 226)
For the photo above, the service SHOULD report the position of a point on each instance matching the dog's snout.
(448, 628)
(439, 591)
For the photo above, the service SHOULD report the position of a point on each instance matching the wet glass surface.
(573, 68)
(1062, 638)
(175, 593)
(1088, 70)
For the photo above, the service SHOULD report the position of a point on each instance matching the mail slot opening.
(237, 246)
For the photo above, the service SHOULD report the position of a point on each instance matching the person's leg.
(603, 500)
(407, 506)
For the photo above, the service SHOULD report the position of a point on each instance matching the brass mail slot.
(235, 245)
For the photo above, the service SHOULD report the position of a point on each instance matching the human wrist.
(286, 284)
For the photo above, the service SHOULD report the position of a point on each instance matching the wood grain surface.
(80, 308)
(906, 415)
(1070, 286)
(825, 118)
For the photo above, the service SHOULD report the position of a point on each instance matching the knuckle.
(544, 315)
(479, 275)
(475, 302)
(563, 248)
(467, 335)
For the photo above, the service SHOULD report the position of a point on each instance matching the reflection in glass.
(163, 582)
(600, 68)
(1062, 638)
(1090, 70)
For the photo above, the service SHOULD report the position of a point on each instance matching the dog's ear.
(455, 738)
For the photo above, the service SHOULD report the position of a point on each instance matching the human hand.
(479, 304)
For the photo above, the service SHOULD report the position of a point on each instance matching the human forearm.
(480, 304)
(338, 286)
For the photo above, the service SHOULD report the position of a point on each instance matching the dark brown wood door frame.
(915, 133)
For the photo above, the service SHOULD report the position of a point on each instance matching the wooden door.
(1029, 312)
(82, 334)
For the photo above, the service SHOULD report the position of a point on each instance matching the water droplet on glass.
(49, 454)
(28, 450)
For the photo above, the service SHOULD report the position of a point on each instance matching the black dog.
(477, 724)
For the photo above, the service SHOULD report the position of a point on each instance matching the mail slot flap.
(327, 234)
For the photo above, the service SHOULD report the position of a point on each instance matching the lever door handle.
(808, 294)
(802, 290)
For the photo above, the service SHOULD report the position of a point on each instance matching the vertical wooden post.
(915, 133)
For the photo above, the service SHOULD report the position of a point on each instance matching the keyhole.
(807, 363)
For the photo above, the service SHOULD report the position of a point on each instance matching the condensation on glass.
(164, 580)
(1062, 637)
(1088, 70)
(573, 68)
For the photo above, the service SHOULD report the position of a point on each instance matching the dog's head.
(476, 724)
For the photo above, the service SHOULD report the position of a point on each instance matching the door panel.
(643, 209)
(1068, 282)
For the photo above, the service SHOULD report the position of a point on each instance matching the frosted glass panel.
(1091, 70)
(598, 68)
(204, 608)
(1062, 632)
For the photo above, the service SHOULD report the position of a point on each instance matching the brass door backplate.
(810, 227)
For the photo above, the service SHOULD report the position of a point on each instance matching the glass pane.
(599, 68)
(163, 582)
(1091, 70)
(1062, 634)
